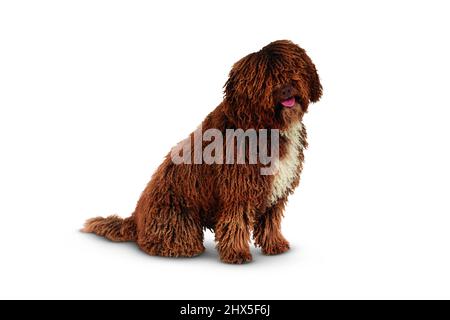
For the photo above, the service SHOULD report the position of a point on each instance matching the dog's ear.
(315, 87)
(234, 94)
(232, 84)
(241, 80)
(248, 93)
(248, 83)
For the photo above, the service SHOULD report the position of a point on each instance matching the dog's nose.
(286, 92)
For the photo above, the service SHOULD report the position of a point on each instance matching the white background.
(94, 93)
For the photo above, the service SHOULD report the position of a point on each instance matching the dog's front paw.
(276, 247)
(233, 257)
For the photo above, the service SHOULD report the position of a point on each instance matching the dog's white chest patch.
(288, 165)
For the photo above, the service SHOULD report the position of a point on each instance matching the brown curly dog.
(268, 89)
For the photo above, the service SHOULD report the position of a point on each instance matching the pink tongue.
(289, 103)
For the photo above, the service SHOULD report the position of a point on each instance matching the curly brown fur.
(233, 200)
(113, 228)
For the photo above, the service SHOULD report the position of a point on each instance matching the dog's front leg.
(233, 233)
(267, 230)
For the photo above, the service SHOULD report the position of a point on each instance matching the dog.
(268, 89)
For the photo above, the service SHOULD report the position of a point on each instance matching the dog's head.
(272, 87)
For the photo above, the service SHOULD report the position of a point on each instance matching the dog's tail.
(113, 228)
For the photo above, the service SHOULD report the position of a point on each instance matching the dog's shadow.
(209, 255)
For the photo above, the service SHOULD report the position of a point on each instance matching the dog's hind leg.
(171, 232)
(267, 230)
